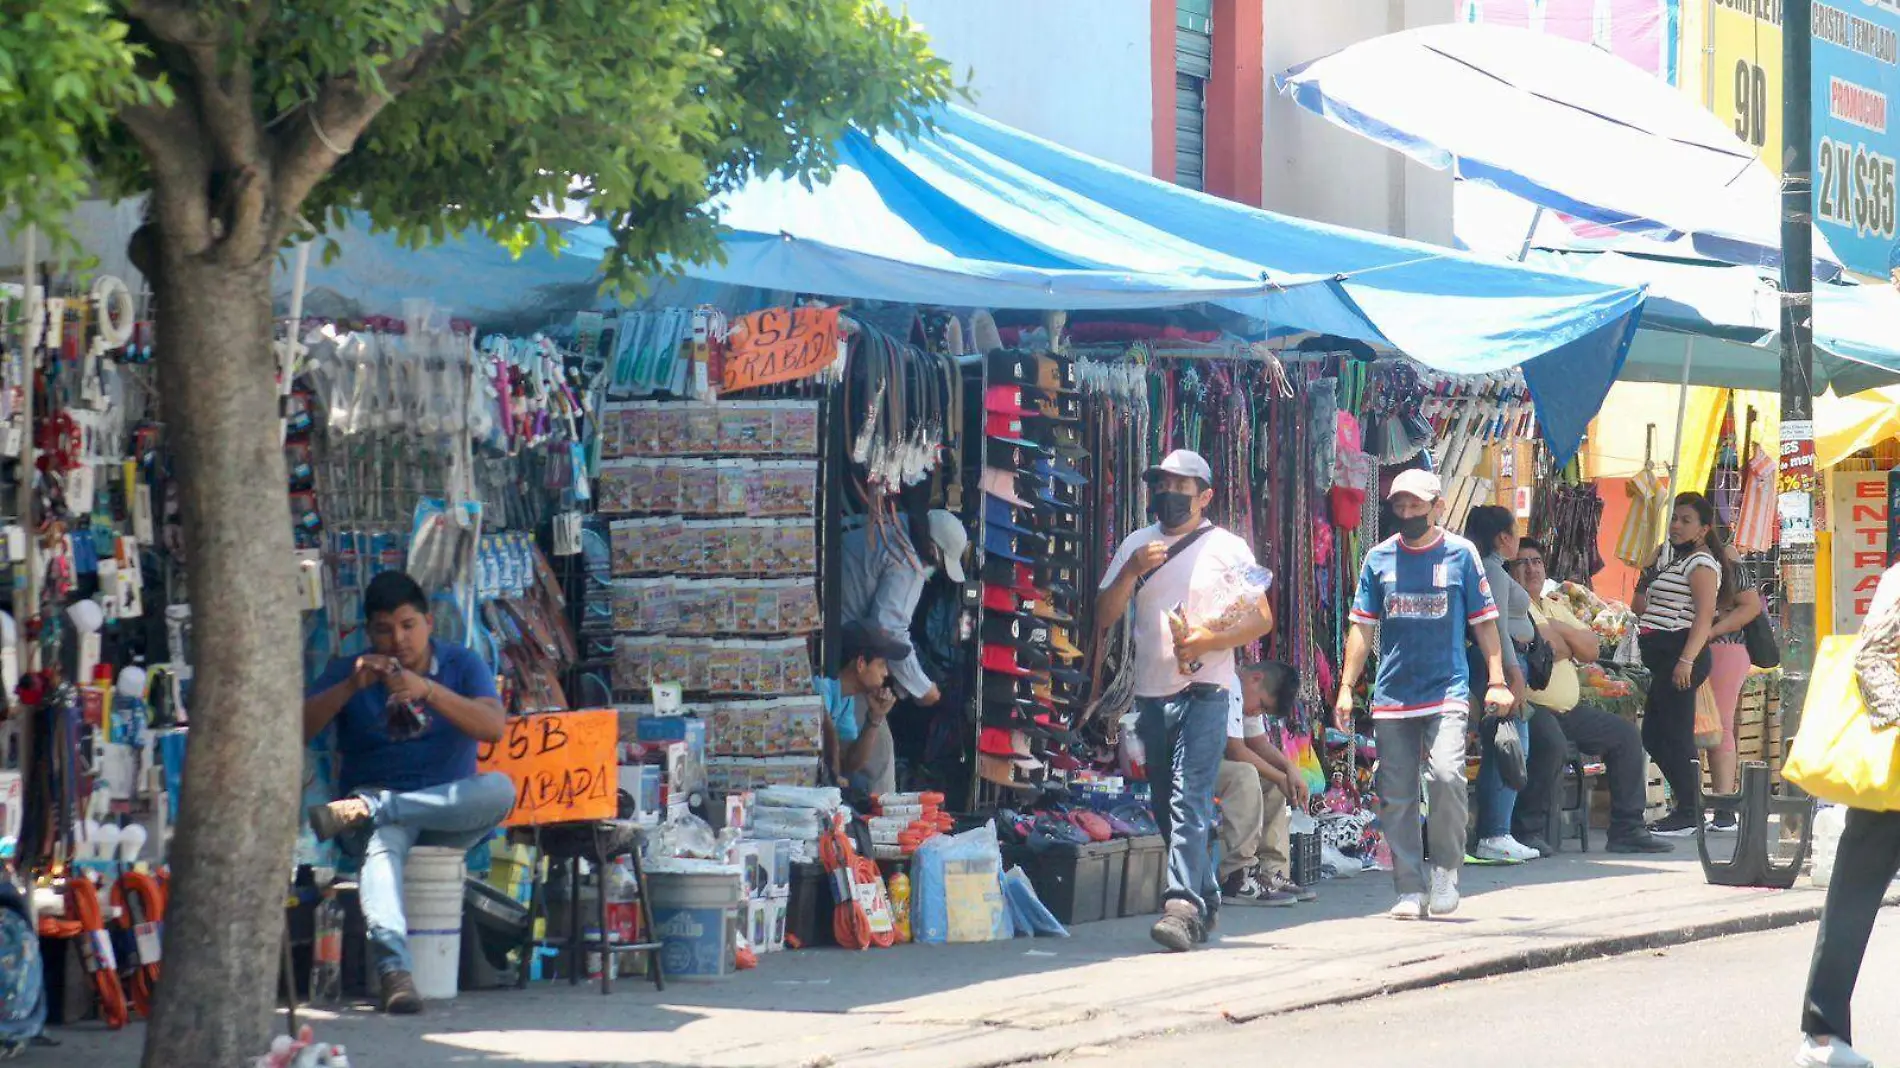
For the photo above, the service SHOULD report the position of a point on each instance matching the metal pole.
(1797, 476)
(1682, 412)
(29, 460)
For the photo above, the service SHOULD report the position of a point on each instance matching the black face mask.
(1683, 548)
(1412, 528)
(1173, 509)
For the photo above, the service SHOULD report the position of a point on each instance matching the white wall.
(1076, 72)
(1319, 171)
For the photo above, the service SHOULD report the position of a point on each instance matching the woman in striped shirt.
(1675, 600)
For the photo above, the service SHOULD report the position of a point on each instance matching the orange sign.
(562, 764)
(779, 345)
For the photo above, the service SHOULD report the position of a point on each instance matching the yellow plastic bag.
(1708, 718)
(1837, 755)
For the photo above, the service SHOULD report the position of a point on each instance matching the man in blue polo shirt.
(408, 717)
(1423, 588)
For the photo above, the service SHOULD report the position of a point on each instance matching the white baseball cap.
(947, 532)
(1183, 462)
(1417, 482)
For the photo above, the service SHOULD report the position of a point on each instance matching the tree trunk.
(232, 853)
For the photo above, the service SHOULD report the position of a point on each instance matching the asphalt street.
(1732, 1003)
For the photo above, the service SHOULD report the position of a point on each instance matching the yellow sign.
(562, 764)
(1745, 69)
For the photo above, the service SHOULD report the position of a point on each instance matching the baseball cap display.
(1058, 470)
(1054, 373)
(1060, 644)
(1045, 609)
(1000, 599)
(1021, 631)
(1182, 462)
(1417, 482)
(1007, 659)
(1014, 366)
(1014, 577)
(1019, 456)
(998, 425)
(1007, 400)
(1002, 485)
(1023, 548)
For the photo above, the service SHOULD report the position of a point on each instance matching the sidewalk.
(1007, 1003)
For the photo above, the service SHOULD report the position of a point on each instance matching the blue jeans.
(456, 815)
(1184, 737)
(1496, 801)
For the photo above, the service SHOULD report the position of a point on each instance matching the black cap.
(1021, 630)
(859, 639)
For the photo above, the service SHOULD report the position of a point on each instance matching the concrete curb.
(1504, 964)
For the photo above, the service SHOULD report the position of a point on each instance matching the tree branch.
(225, 110)
(311, 143)
(170, 139)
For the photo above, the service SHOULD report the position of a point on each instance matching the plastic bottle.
(1829, 822)
(326, 954)
(900, 905)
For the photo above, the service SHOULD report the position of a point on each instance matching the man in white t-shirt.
(1259, 786)
(1197, 595)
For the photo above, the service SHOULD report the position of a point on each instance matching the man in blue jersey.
(407, 718)
(1423, 588)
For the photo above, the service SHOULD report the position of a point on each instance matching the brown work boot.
(399, 994)
(1179, 927)
(333, 819)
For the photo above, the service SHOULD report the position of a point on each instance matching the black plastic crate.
(1305, 858)
(1144, 875)
(1072, 881)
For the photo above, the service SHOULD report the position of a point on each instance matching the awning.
(1560, 124)
(978, 214)
(1723, 320)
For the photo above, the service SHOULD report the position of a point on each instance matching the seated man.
(1589, 728)
(856, 735)
(1255, 784)
(408, 717)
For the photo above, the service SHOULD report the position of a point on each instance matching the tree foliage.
(449, 114)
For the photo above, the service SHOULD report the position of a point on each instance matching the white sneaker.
(1505, 850)
(1832, 1054)
(1444, 891)
(1410, 907)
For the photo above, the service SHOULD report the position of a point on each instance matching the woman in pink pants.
(1728, 670)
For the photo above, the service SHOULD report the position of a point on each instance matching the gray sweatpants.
(1435, 744)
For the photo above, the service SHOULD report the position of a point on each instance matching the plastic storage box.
(1072, 881)
(1144, 873)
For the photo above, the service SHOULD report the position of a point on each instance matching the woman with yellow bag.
(1845, 752)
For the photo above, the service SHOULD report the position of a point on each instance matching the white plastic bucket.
(432, 895)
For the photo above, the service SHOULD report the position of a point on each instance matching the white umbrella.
(1562, 125)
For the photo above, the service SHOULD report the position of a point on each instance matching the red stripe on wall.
(1161, 62)
(1236, 102)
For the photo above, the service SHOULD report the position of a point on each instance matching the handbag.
(1838, 755)
(1539, 661)
(1759, 636)
(1708, 718)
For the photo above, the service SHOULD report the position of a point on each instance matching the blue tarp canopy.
(975, 214)
(1723, 321)
(978, 214)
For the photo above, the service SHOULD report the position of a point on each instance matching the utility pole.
(1797, 479)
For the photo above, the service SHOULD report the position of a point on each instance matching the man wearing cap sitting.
(882, 578)
(1198, 595)
(1259, 787)
(856, 704)
(1424, 587)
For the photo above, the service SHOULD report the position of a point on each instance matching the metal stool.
(1752, 864)
(597, 843)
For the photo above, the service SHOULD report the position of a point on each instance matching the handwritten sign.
(562, 764)
(779, 345)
